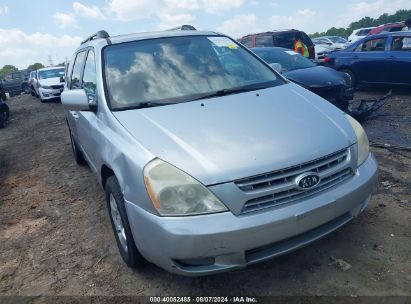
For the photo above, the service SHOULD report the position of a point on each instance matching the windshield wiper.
(226, 92)
(143, 105)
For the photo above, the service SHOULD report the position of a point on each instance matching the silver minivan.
(210, 160)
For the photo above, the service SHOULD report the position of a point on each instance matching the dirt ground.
(56, 239)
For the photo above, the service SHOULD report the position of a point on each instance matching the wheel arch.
(105, 173)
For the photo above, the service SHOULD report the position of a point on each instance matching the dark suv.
(280, 38)
(17, 82)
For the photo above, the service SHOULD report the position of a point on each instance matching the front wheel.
(26, 89)
(119, 222)
(352, 75)
(78, 155)
(2, 120)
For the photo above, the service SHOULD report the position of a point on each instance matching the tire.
(121, 228)
(2, 120)
(78, 155)
(7, 111)
(352, 75)
(25, 89)
(4, 114)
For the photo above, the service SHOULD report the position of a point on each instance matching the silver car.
(210, 160)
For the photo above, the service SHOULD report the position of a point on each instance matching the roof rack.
(184, 27)
(99, 34)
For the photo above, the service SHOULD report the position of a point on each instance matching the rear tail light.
(327, 60)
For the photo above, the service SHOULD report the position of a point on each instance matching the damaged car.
(210, 160)
(334, 86)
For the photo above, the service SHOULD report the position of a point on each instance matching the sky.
(48, 31)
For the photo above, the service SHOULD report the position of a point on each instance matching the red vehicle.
(280, 38)
(389, 27)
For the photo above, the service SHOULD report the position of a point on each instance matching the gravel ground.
(56, 239)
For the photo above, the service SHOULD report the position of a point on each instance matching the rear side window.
(247, 41)
(401, 44)
(78, 65)
(266, 40)
(285, 40)
(16, 76)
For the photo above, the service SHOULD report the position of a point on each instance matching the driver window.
(373, 45)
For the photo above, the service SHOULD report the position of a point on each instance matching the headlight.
(175, 193)
(45, 87)
(362, 140)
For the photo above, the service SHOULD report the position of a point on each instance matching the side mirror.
(276, 67)
(77, 100)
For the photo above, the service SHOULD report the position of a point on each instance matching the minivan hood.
(50, 81)
(227, 138)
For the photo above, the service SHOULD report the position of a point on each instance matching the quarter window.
(261, 41)
(89, 82)
(401, 44)
(78, 65)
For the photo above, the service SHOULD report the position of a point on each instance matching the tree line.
(400, 15)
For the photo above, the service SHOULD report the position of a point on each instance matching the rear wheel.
(120, 224)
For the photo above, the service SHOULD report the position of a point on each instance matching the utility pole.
(50, 59)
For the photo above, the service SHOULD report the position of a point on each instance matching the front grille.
(333, 169)
(55, 87)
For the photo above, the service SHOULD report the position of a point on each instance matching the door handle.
(75, 115)
(355, 57)
(391, 57)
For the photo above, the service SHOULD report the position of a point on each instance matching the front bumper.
(49, 93)
(209, 244)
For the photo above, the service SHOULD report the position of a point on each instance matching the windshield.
(288, 59)
(179, 69)
(51, 73)
(337, 39)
